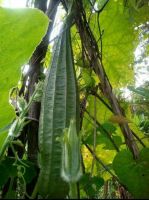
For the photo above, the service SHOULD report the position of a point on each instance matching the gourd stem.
(35, 191)
(73, 190)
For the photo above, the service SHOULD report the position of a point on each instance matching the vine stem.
(94, 136)
(11, 137)
(94, 58)
(100, 99)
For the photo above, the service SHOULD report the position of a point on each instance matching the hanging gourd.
(59, 105)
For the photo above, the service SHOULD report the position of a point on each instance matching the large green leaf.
(21, 30)
(8, 169)
(133, 174)
(118, 46)
(119, 38)
(91, 184)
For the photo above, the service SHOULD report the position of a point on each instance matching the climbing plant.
(66, 129)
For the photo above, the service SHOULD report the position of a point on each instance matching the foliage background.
(119, 27)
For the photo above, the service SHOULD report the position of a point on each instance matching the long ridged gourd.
(59, 105)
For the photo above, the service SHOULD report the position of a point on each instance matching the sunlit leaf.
(21, 31)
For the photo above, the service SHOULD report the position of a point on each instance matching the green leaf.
(6, 128)
(102, 112)
(141, 91)
(1, 2)
(109, 127)
(22, 31)
(7, 169)
(134, 174)
(119, 38)
(87, 81)
(118, 46)
(103, 139)
(3, 133)
(101, 3)
(30, 172)
(91, 184)
(3, 174)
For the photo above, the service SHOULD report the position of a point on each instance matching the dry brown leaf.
(119, 119)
